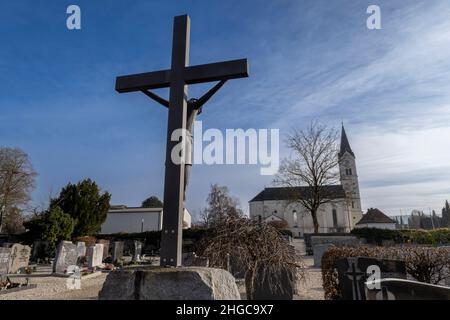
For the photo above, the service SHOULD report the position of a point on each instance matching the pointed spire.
(345, 145)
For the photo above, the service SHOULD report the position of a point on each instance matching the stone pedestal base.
(184, 283)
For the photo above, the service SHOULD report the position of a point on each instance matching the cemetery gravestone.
(319, 250)
(117, 251)
(5, 255)
(95, 255)
(20, 257)
(280, 286)
(105, 244)
(236, 267)
(40, 250)
(190, 259)
(401, 289)
(137, 251)
(81, 249)
(322, 243)
(353, 273)
(336, 240)
(66, 255)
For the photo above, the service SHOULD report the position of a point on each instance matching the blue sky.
(308, 60)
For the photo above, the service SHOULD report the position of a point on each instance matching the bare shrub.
(260, 248)
(430, 265)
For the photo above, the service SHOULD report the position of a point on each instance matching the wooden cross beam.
(177, 78)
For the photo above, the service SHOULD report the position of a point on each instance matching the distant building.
(374, 218)
(338, 215)
(133, 220)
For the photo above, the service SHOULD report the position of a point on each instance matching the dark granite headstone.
(274, 287)
(40, 250)
(190, 259)
(237, 267)
(353, 273)
(117, 250)
(400, 289)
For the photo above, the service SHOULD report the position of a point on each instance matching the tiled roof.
(375, 216)
(288, 193)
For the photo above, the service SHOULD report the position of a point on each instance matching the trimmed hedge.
(427, 237)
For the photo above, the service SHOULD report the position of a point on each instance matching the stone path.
(311, 287)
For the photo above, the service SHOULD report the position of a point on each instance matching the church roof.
(287, 193)
(375, 216)
(345, 145)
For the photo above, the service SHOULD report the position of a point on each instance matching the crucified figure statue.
(194, 108)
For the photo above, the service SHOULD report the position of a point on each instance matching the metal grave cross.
(177, 79)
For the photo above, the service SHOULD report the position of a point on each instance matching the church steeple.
(345, 145)
(349, 179)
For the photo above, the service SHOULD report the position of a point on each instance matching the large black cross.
(177, 78)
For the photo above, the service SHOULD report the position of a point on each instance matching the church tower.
(349, 179)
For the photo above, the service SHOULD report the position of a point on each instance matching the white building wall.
(304, 223)
(131, 222)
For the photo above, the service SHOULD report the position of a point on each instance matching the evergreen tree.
(52, 225)
(84, 203)
(152, 202)
(446, 215)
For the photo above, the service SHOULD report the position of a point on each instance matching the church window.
(335, 222)
(295, 218)
(353, 204)
(348, 171)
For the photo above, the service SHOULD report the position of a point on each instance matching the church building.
(340, 214)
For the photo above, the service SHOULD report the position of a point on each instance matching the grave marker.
(20, 257)
(352, 274)
(66, 255)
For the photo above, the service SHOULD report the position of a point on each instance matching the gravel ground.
(311, 287)
(55, 288)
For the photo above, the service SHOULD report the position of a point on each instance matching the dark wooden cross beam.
(177, 78)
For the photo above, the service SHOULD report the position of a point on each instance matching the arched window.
(335, 221)
(295, 218)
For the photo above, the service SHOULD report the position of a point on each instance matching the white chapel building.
(123, 219)
(339, 215)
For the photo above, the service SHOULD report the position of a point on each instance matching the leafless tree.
(220, 206)
(313, 163)
(17, 180)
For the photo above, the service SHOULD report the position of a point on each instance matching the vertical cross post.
(171, 239)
